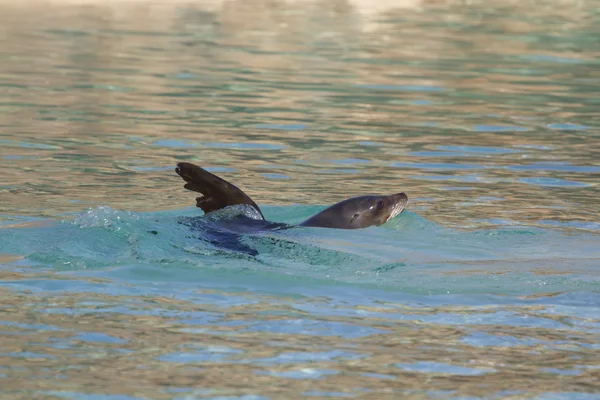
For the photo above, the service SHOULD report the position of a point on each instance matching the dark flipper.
(217, 193)
(229, 241)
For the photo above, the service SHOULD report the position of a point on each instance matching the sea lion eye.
(380, 205)
(354, 218)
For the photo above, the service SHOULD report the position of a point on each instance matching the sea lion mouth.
(400, 202)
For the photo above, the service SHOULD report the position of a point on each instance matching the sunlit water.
(485, 114)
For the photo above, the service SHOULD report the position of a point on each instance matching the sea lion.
(354, 213)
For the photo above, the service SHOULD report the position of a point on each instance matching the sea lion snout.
(399, 202)
(401, 198)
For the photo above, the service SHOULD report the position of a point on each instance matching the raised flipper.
(217, 193)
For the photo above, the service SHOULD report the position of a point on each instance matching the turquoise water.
(486, 287)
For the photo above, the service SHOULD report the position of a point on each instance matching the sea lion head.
(360, 212)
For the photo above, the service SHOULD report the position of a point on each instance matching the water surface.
(485, 115)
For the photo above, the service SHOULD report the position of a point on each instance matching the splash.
(105, 217)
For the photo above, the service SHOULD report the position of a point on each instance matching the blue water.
(401, 255)
(310, 306)
(114, 286)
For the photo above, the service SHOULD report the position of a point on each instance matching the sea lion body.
(353, 213)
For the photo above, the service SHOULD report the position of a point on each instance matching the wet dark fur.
(230, 231)
(357, 212)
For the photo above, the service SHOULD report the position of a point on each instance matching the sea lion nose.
(400, 202)
(401, 197)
